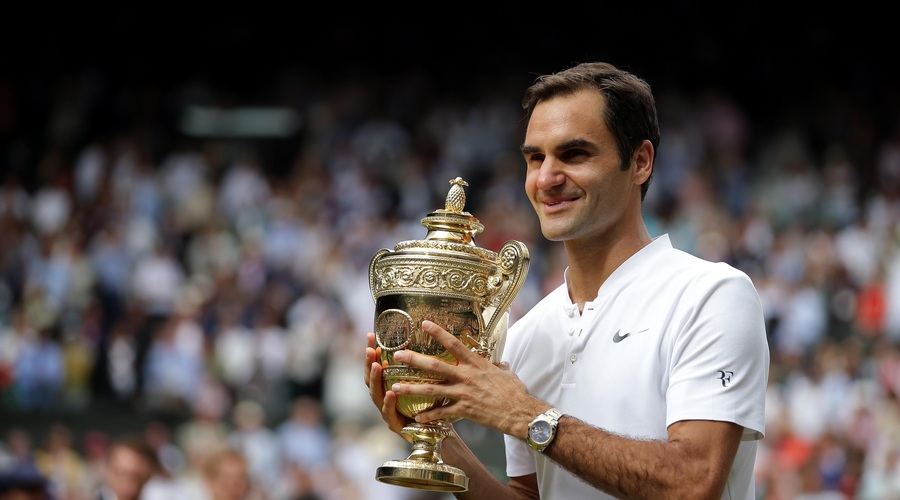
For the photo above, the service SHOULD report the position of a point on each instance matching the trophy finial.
(451, 223)
(456, 198)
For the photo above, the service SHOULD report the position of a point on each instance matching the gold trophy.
(468, 290)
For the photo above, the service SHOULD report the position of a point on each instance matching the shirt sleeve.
(720, 360)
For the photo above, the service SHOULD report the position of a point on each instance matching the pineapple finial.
(456, 198)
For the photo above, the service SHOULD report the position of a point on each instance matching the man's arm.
(693, 462)
(482, 483)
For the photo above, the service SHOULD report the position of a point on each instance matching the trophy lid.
(447, 263)
(452, 223)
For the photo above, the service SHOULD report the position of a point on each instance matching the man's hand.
(487, 394)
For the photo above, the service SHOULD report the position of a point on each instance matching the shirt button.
(571, 331)
(573, 358)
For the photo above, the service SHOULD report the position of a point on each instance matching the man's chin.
(554, 234)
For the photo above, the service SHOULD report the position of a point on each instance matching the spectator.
(40, 371)
(258, 443)
(23, 482)
(227, 477)
(304, 437)
(129, 466)
(61, 463)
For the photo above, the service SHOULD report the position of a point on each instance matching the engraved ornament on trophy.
(467, 290)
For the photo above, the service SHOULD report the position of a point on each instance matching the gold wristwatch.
(542, 429)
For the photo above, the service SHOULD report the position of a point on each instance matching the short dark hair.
(630, 106)
(139, 445)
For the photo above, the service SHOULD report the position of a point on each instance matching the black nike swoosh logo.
(618, 338)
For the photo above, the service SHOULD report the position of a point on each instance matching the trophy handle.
(372, 286)
(513, 260)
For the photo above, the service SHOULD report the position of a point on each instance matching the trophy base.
(423, 476)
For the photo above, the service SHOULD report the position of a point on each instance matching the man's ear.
(643, 162)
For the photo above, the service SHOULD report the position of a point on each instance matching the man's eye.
(573, 154)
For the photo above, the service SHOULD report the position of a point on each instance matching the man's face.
(126, 473)
(574, 179)
(230, 479)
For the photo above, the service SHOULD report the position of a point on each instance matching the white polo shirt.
(669, 337)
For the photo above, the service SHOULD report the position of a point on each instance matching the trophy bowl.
(447, 279)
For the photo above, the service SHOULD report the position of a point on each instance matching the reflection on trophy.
(468, 290)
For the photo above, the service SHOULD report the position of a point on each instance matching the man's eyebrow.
(576, 143)
(570, 144)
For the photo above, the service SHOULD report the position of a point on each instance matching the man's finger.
(376, 389)
(370, 358)
(451, 343)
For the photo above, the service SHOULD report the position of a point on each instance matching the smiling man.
(644, 374)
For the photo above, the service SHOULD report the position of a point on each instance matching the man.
(227, 476)
(130, 464)
(644, 374)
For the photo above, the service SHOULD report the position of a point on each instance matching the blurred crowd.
(218, 284)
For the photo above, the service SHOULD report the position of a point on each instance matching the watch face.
(540, 432)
